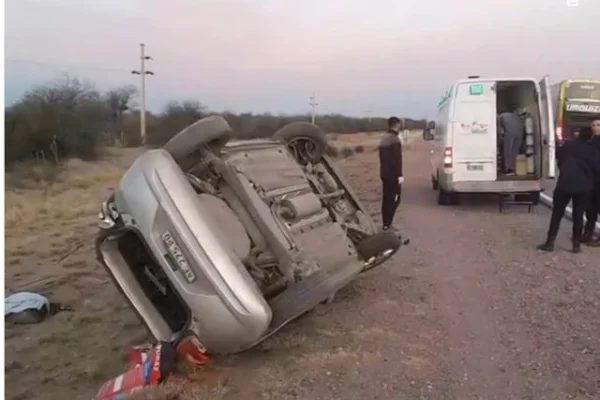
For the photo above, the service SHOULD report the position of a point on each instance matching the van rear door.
(547, 123)
(474, 141)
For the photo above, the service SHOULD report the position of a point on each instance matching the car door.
(547, 125)
(474, 143)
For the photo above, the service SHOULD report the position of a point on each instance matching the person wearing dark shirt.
(578, 166)
(594, 204)
(390, 171)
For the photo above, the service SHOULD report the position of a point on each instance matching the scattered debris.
(153, 368)
(151, 365)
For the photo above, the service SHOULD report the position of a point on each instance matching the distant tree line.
(71, 117)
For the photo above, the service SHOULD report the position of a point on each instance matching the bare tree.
(118, 102)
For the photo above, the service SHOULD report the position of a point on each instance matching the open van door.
(547, 125)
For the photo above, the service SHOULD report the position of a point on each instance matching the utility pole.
(143, 72)
(369, 112)
(313, 104)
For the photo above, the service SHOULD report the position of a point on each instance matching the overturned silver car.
(228, 240)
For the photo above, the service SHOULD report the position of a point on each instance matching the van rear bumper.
(504, 186)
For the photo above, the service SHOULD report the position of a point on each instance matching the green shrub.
(347, 152)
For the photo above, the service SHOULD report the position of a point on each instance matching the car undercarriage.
(228, 240)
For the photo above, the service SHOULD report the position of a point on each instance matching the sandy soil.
(469, 310)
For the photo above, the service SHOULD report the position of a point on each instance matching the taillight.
(448, 157)
(559, 131)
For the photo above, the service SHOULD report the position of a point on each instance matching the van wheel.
(434, 183)
(446, 198)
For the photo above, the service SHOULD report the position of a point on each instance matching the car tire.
(298, 134)
(212, 131)
(375, 245)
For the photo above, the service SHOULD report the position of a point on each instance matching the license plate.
(474, 167)
(178, 257)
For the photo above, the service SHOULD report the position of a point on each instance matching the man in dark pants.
(594, 204)
(578, 166)
(390, 171)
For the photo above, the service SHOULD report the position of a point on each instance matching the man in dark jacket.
(578, 166)
(594, 203)
(390, 171)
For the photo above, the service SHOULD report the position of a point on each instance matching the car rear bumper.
(226, 309)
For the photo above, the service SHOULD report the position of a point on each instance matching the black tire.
(434, 183)
(378, 243)
(446, 198)
(301, 133)
(212, 130)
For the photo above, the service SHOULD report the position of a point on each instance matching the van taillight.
(559, 131)
(448, 157)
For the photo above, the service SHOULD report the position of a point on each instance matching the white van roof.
(496, 79)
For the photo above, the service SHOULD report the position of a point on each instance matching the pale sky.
(269, 55)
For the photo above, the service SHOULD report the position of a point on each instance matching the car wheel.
(212, 131)
(377, 248)
(306, 141)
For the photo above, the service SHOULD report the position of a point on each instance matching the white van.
(466, 154)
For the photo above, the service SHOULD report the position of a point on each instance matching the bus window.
(583, 90)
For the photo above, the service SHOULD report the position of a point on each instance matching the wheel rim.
(378, 259)
(303, 148)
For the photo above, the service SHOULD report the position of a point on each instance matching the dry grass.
(41, 193)
(348, 145)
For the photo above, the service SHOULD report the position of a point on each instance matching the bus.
(576, 103)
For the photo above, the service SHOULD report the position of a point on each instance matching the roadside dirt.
(469, 310)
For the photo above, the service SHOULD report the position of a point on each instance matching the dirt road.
(468, 311)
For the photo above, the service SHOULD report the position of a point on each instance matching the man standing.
(578, 168)
(514, 129)
(594, 205)
(390, 171)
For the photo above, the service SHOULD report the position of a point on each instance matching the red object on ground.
(190, 350)
(151, 370)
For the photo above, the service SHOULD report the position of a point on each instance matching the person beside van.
(578, 167)
(390, 171)
(513, 130)
(594, 205)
